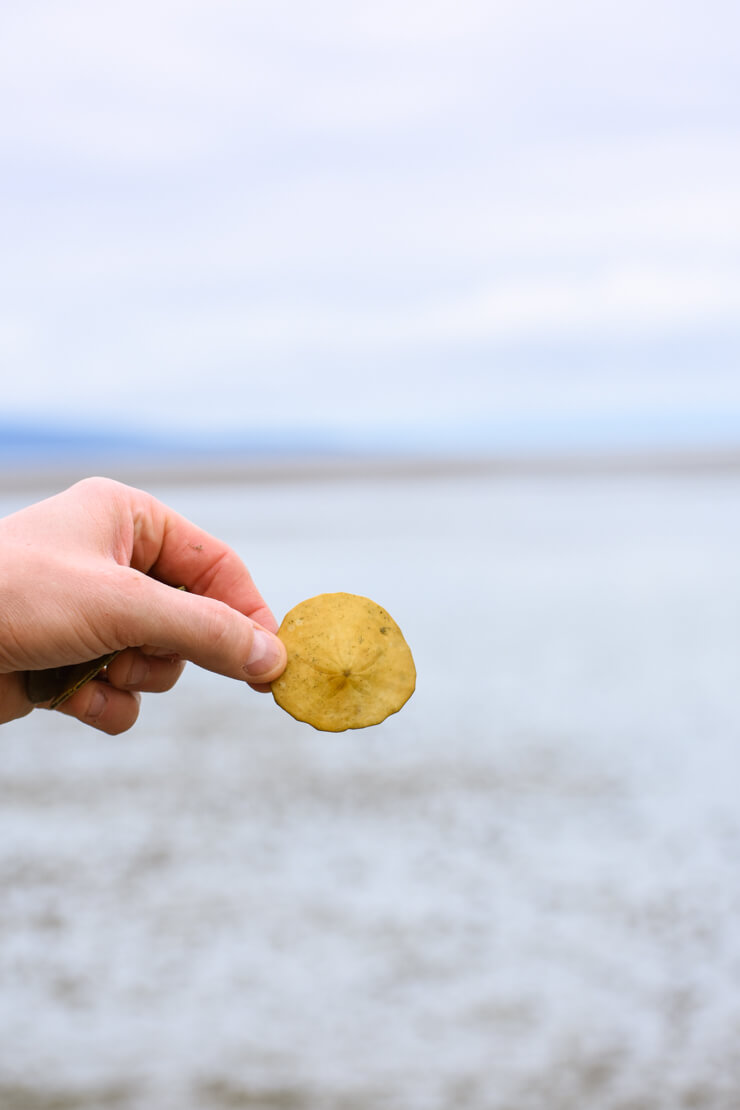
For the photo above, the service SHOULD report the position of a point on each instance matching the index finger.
(174, 550)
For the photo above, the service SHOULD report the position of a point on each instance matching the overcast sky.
(470, 217)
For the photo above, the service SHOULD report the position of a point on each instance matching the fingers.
(205, 630)
(171, 548)
(97, 704)
(136, 669)
(112, 704)
(220, 621)
(103, 706)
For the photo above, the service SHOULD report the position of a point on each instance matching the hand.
(90, 571)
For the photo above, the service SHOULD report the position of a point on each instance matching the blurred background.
(460, 227)
(439, 304)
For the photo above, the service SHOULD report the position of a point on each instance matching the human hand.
(90, 571)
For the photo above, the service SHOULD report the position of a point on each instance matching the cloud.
(622, 301)
(263, 196)
(161, 83)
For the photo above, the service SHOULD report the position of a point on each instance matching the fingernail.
(138, 672)
(97, 702)
(265, 653)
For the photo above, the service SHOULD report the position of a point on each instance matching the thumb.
(206, 631)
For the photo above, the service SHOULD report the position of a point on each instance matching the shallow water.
(522, 891)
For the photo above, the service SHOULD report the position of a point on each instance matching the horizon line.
(334, 466)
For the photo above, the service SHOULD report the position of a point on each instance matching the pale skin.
(91, 570)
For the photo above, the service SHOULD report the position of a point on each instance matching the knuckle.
(219, 628)
(96, 484)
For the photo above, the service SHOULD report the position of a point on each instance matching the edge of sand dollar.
(348, 667)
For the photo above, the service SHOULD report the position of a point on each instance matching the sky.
(474, 223)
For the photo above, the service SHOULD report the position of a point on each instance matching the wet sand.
(520, 892)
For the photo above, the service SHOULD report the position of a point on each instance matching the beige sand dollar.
(348, 663)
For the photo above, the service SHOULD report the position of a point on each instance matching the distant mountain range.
(25, 443)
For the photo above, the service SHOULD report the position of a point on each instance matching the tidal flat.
(522, 891)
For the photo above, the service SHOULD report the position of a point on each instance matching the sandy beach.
(520, 892)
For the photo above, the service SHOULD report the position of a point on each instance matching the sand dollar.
(348, 663)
